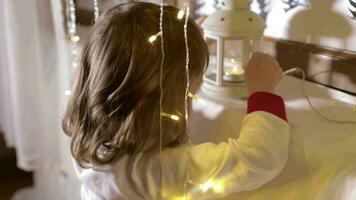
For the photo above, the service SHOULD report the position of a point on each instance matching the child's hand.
(262, 73)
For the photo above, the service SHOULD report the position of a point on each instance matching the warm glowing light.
(217, 187)
(74, 64)
(75, 38)
(197, 99)
(235, 62)
(74, 52)
(154, 37)
(173, 117)
(185, 197)
(193, 96)
(234, 71)
(206, 186)
(181, 14)
(67, 92)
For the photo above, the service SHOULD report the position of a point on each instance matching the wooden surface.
(334, 68)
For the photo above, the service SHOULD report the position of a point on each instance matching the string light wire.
(187, 93)
(162, 193)
(187, 62)
(96, 10)
(301, 71)
(72, 27)
(161, 74)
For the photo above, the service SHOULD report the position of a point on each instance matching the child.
(113, 116)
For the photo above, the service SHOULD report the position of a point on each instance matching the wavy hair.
(114, 108)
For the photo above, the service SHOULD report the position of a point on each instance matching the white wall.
(325, 22)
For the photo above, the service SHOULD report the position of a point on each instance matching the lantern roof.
(234, 22)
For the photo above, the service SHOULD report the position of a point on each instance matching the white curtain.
(29, 111)
(34, 73)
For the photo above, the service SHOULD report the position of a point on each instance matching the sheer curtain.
(33, 76)
(28, 75)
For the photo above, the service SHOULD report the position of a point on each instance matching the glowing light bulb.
(173, 117)
(193, 96)
(154, 37)
(75, 38)
(217, 187)
(181, 14)
(67, 92)
(198, 99)
(206, 186)
(74, 64)
(74, 52)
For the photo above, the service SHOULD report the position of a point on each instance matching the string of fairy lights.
(96, 10)
(161, 75)
(183, 12)
(73, 35)
(187, 93)
(162, 114)
(74, 38)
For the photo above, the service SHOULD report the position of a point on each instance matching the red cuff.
(268, 102)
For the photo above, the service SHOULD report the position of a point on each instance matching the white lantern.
(233, 34)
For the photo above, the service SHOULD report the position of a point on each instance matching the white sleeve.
(217, 170)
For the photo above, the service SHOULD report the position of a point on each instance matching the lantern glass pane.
(212, 68)
(236, 54)
(233, 54)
